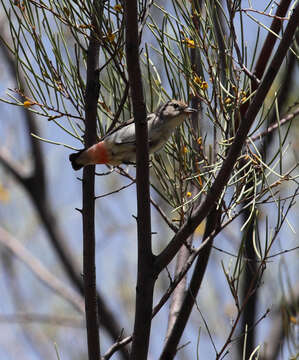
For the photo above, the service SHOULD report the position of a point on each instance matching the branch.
(88, 210)
(44, 275)
(13, 167)
(180, 287)
(223, 176)
(271, 128)
(174, 337)
(280, 18)
(182, 273)
(145, 278)
(271, 39)
(281, 319)
(118, 345)
(153, 202)
(54, 320)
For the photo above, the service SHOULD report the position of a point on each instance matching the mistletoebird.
(119, 146)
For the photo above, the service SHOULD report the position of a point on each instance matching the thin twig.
(281, 18)
(115, 191)
(153, 202)
(273, 127)
(116, 346)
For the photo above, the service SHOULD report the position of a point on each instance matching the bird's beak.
(189, 110)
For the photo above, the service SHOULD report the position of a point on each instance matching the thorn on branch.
(169, 276)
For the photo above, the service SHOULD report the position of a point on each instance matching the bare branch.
(174, 337)
(116, 346)
(145, 278)
(54, 320)
(40, 271)
(282, 121)
(88, 209)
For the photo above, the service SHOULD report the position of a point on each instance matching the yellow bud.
(110, 37)
(227, 100)
(84, 26)
(204, 85)
(199, 180)
(197, 80)
(293, 320)
(190, 43)
(118, 8)
(188, 194)
(66, 11)
(28, 103)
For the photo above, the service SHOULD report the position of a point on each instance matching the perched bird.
(119, 146)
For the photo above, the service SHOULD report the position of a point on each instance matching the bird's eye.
(176, 106)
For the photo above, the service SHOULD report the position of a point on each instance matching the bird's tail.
(73, 159)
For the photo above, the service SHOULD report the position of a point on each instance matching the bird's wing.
(125, 134)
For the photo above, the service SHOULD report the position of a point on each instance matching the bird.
(119, 146)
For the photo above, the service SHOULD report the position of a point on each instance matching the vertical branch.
(251, 268)
(249, 280)
(184, 252)
(179, 292)
(174, 337)
(271, 39)
(88, 211)
(145, 279)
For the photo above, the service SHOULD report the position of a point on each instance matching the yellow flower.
(204, 85)
(243, 96)
(118, 8)
(234, 88)
(197, 80)
(190, 43)
(110, 37)
(227, 100)
(185, 149)
(188, 194)
(199, 141)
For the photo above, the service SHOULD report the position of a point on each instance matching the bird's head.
(174, 109)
